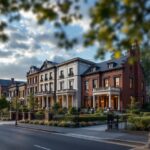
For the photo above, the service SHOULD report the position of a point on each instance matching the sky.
(30, 44)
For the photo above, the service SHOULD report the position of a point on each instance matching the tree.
(31, 102)
(3, 104)
(114, 23)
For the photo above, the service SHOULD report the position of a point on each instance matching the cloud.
(31, 44)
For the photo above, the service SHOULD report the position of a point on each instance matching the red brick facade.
(131, 84)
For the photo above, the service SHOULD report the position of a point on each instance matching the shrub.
(72, 111)
(140, 123)
(39, 115)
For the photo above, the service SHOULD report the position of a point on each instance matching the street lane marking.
(41, 147)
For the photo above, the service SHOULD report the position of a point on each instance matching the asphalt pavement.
(15, 138)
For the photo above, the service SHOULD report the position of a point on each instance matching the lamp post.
(16, 96)
(16, 121)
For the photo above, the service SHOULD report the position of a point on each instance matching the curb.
(117, 141)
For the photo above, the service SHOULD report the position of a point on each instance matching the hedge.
(76, 118)
(140, 123)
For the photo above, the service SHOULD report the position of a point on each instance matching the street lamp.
(16, 121)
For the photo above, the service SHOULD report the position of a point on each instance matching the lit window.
(116, 82)
(106, 82)
(86, 85)
(111, 65)
(131, 83)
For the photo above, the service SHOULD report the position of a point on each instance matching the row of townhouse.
(84, 84)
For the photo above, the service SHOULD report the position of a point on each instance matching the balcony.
(61, 76)
(71, 74)
(42, 93)
(41, 80)
(50, 78)
(66, 91)
(106, 90)
(46, 79)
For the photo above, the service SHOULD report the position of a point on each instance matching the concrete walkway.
(94, 131)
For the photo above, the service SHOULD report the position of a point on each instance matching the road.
(16, 138)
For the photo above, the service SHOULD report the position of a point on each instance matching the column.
(109, 104)
(93, 101)
(47, 103)
(118, 102)
(72, 101)
(42, 102)
(57, 98)
(63, 104)
(67, 100)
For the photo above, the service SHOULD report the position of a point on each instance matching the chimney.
(134, 51)
(12, 80)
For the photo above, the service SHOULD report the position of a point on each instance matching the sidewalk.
(97, 132)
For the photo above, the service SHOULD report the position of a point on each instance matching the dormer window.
(111, 65)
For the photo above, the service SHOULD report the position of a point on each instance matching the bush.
(85, 118)
(72, 111)
(39, 115)
(140, 123)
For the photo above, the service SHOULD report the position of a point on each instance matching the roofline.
(75, 59)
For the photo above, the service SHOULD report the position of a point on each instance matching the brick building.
(113, 83)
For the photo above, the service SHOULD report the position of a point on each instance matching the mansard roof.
(76, 59)
(33, 69)
(4, 82)
(104, 66)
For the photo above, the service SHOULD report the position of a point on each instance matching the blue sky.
(30, 44)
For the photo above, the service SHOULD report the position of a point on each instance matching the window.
(51, 86)
(106, 82)
(111, 65)
(86, 85)
(61, 85)
(61, 74)
(41, 87)
(116, 82)
(46, 77)
(71, 84)
(70, 72)
(46, 87)
(142, 85)
(131, 83)
(41, 77)
(50, 75)
(36, 79)
(36, 89)
(95, 83)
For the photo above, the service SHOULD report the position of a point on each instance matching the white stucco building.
(69, 82)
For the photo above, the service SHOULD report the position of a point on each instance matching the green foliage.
(3, 103)
(31, 102)
(56, 106)
(133, 107)
(140, 123)
(114, 24)
(145, 60)
(72, 111)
